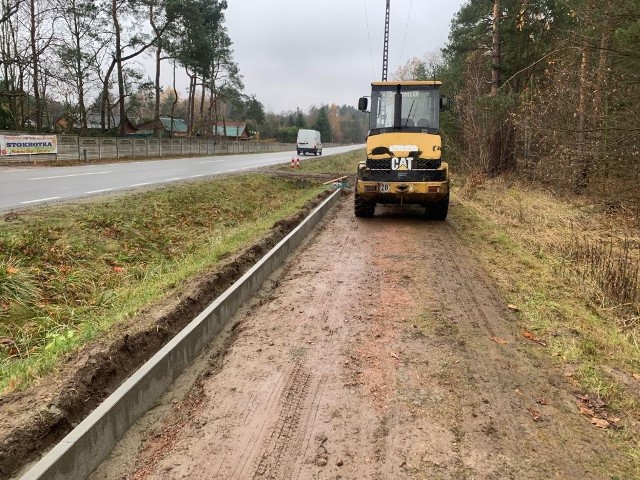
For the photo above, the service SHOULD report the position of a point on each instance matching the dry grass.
(572, 268)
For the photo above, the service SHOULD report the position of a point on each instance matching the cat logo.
(401, 163)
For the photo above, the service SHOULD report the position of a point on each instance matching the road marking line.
(212, 161)
(141, 184)
(40, 200)
(196, 176)
(71, 175)
(99, 191)
(172, 179)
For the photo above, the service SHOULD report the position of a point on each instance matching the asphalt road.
(24, 186)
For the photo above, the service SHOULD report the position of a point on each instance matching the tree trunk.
(210, 128)
(105, 109)
(78, 60)
(157, 127)
(495, 51)
(600, 110)
(584, 160)
(191, 102)
(495, 143)
(175, 98)
(35, 62)
(118, 60)
(156, 108)
(201, 113)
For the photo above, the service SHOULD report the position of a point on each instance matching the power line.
(405, 33)
(366, 17)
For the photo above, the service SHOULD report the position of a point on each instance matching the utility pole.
(385, 51)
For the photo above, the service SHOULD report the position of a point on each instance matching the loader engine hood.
(402, 145)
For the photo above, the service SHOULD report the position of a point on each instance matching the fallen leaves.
(535, 414)
(513, 308)
(600, 422)
(593, 409)
(530, 336)
(498, 340)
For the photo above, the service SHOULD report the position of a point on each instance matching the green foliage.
(322, 124)
(287, 134)
(7, 120)
(199, 34)
(254, 110)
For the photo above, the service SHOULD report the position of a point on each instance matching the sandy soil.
(379, 351)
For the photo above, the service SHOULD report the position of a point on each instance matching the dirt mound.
(34, 420)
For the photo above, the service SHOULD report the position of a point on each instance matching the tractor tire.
(363, 208)
(439, 210)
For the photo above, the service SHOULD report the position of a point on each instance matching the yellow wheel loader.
(404, 162)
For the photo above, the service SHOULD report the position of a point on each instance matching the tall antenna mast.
(385, 51)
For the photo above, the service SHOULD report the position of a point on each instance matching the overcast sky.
(303, 53)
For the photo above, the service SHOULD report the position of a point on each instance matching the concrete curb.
(82, 450)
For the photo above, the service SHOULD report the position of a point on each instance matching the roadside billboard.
(28, 144)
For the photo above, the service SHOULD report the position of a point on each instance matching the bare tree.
(79, 48)
(40, 24)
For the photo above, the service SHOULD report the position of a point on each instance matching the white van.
(309, 142)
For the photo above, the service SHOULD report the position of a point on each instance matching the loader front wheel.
(362, 207)
(440, 209)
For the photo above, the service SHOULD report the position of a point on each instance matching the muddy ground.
(379, 351)
(34, 420)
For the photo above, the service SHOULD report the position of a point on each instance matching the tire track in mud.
(369, 356)
(512, 419)
(283, 433)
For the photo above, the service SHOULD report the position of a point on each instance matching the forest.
(546, 89)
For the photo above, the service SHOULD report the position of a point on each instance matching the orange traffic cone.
(293, 164)
(297, 163)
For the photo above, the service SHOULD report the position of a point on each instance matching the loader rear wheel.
(439, 210)
(363, 208)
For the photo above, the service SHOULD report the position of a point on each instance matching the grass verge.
(339, 165)
(555, 260)
(69, 273)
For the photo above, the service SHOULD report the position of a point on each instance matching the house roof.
(232, 130)
(94, 119)
(179, 125)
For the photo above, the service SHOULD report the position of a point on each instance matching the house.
(167, 125)
(94, 122)
(231, 131)
(112, 120)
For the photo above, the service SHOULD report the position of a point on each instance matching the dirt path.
(379, 351)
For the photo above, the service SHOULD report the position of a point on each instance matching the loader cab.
(412, 107)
